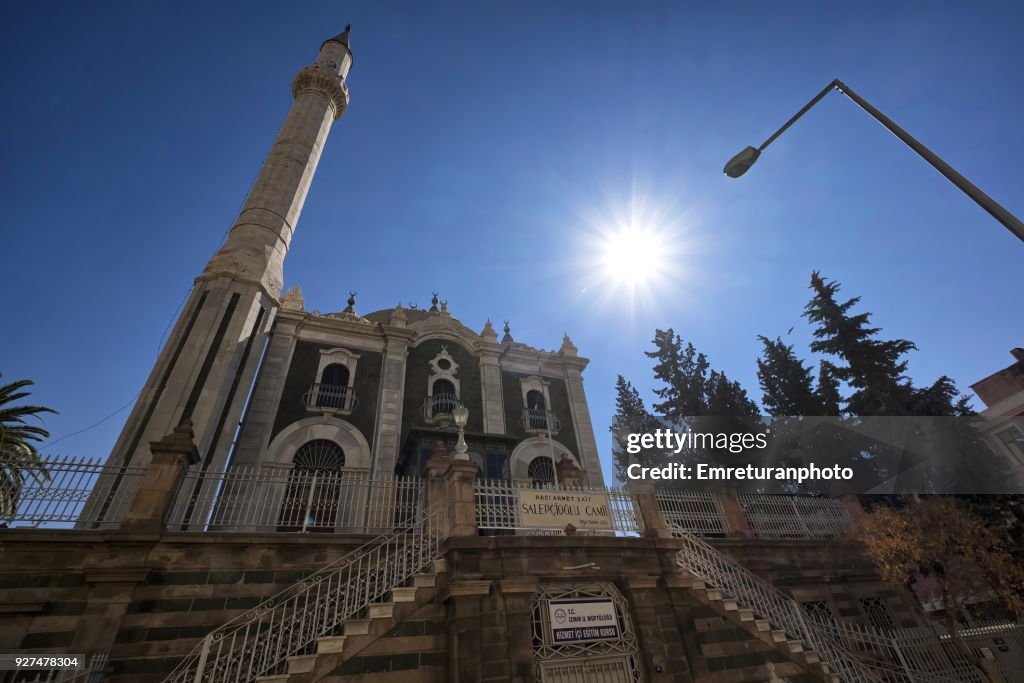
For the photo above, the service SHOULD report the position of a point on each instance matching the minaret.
(207, 365)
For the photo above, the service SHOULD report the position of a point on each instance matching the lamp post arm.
(807, 107)
(1011, 222)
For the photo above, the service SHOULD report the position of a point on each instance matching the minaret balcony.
(539, 421)
(330, 398)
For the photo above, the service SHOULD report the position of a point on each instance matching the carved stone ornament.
(443, 364)
(317, 78)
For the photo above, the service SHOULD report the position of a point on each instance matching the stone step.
(381, 610)
(301, 664)
(330, 644)
(403, 594)
(356, 627)
(746, 615)
(714, 594)
(812, 657)
(424, 580)
(763, 624)
(779, 636)
(730, 605)
(794, 646)
(440, 566)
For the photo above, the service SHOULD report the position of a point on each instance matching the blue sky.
(484, 145)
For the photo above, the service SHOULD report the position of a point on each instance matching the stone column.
(171, 457)
(391, 396)
(572, 368)
(110, 592)
(459, 479)
(266, 397)
(735, 519)
(518, 594)
(490, 382)
(660, 640)
(464, 629)
(649, 511)
(437, 488)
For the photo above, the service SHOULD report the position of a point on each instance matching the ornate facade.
(192, 558)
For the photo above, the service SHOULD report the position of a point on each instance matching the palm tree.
(19, 459)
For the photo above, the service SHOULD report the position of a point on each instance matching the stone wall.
(149, 598)
(145, 598)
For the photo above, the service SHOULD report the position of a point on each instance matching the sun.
(634, 256)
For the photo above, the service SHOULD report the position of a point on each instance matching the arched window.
(333, 389)
(314, 486)
(541, 471)
(443, 398)
(320, 454)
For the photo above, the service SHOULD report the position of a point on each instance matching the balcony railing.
(330, 397)
(536, 420)
(439, 406)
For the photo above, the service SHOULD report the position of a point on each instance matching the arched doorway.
(311, 497)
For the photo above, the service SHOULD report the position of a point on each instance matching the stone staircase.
(310, 627)
(805, 659)
(357, 634)
(828, 651)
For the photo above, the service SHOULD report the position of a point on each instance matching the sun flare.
(636, 255)
(633, 256)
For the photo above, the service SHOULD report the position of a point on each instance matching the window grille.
(877, 613)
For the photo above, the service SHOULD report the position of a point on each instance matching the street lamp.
(461, 416)
(742, 162)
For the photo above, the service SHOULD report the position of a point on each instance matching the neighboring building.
(1003, 395)
(294, 498)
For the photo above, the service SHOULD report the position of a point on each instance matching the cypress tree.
(787, 385)
(873, 368)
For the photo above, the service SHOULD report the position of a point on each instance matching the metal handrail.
(540, 420)
(259, 641)
(439, 405)
(62, 489)
(750, 591)
(330, 397)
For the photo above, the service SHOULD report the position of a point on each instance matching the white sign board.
(583, 620)
(540, 509)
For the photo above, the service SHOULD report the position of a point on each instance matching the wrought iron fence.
(61, 491)
(499, 506)
(695, 512)
(259, 642)
(858, 654)
(262, 498)
(780, 516)
(928, 651)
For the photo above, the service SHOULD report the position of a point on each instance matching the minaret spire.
(259, 239)
(343, 36)
(205, 370)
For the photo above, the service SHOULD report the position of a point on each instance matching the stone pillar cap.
(179, 442)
